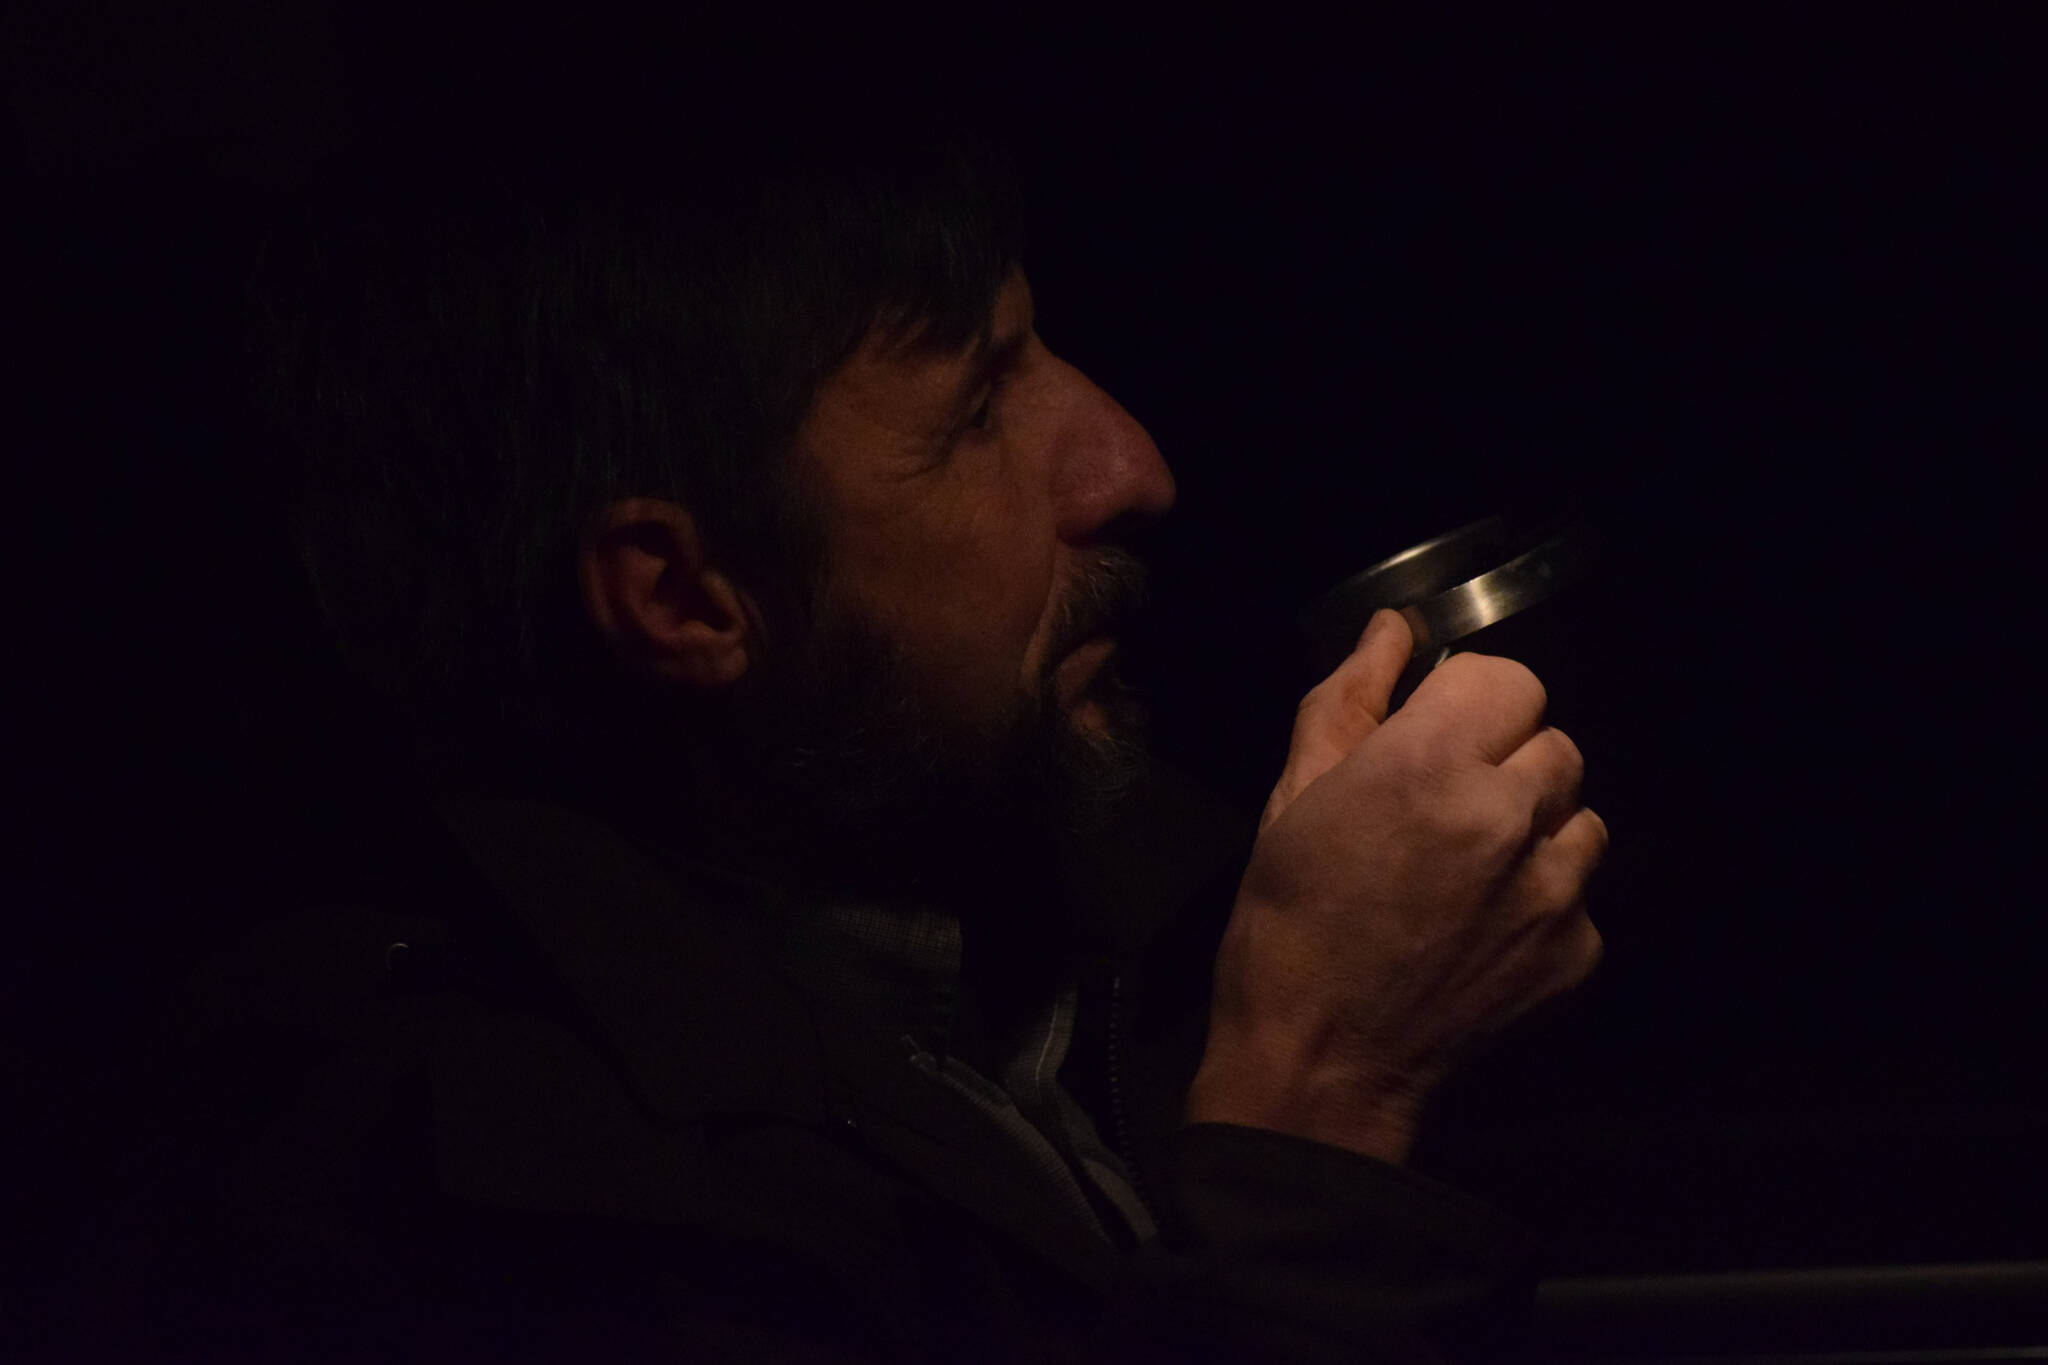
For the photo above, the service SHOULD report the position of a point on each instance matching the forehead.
(910, 359)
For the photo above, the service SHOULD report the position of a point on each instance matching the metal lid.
(1455, 584)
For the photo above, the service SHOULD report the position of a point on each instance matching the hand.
(1417, 885)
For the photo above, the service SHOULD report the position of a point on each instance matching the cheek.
(966, 583)
(979, 601)
(1003, 590)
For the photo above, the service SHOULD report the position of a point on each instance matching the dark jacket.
(577, 1115)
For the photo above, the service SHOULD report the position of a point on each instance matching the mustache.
(1114, 586)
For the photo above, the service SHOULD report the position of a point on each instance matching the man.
(749, 570)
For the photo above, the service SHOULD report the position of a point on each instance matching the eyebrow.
(990, 359)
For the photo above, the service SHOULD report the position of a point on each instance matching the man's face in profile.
(957, 701)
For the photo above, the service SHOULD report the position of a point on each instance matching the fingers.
(1550, 887)
(1340, 711)
(1484, 706)
(1362, 687)
(1351, 703)
(1555, 875)
(1548, 770)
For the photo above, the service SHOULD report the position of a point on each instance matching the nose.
(1108, 471)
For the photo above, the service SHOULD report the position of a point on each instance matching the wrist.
(1371, 1114)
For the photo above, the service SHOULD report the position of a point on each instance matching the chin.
(1110, 742)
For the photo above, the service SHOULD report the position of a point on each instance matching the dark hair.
(467, 378)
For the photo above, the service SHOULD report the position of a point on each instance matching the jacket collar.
(673, 975)
(676, 964)
(674, 957)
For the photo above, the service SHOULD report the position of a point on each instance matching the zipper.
(1119, 1109)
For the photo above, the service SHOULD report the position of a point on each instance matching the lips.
(1077, 668)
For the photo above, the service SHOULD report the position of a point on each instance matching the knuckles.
(1552, 887)
(1482, 819)
(1592, 949)
(1473, 817)
(1507, 679)
(1601, 838)
(1572, 760)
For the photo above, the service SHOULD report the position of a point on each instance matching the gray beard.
(838, 775)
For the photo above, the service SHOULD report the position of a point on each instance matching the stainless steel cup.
(1453, 586)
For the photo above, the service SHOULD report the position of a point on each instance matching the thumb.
(1341, 710)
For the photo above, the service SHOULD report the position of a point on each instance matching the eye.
(984, 415)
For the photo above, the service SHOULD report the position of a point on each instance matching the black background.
(1766, 294)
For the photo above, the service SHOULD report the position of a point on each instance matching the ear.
(655, 600)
